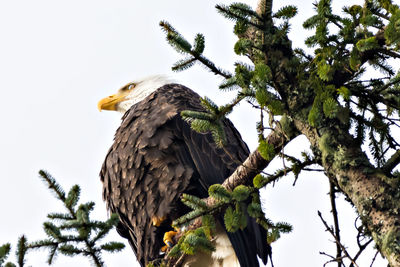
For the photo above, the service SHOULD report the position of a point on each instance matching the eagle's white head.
(133, 93)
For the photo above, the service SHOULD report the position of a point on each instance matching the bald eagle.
(156, 157)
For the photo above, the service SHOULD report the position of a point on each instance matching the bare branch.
(332, 197)
(374, 258)
(330, 230)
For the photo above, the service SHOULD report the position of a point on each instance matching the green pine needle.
(60, 216)
(267, 151)
(392, 31)
(262, 75)
(22, 248)
(179, 43)
(355, 60)
(175, 39)
(112, 247)
(311, 22)
(73, 197)
(344, 92)
(199, 44)
(201, 126)
(184, 64)
(219, 193)
(231, 220)
(70, 250)
(175, 252)
(53, 185)
(241, 193)
(284, 227)
(330, 108)
(255, 210)
(52, 254)
(367, 44)
(52, 230)
(243, 74)
(218, 134)
(314, 115)
(286, 12)
(241, 27)
(208, 222)
(272, 236)
(238, 12)
(243, 46)
(190, 115)
(193, 202)
(209, 104)
(4, 252)
(187, 218)
(229, 84)
(325, 71)
(259, 181)
(262, 97)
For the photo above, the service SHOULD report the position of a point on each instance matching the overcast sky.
(58, 58)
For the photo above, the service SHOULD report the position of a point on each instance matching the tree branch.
(255, 163)
(391, 163)
(332, 197)
(337, 240)
(359, 183)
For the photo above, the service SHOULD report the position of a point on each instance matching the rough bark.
(255, 163)
(375, 195)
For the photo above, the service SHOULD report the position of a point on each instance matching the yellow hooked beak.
(110, 102)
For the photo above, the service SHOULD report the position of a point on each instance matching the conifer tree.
(327, 96)
(71, 233)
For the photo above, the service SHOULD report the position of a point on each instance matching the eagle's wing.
(156, 157)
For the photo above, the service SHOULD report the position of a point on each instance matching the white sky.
(58, 58)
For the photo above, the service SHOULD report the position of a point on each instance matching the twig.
(374, 258)
(210, 65)
(362, 248)
(179, 261)
(330, 256)
(313, 170)
(335, 221)
(389, 52)
(261, 129)
(360, 235)
(329, 229)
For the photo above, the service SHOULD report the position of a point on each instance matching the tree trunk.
(375, 195)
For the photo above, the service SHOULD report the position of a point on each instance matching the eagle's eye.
(127, 88)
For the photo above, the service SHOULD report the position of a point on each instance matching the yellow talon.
(157, 220)
(164, 248)
(168, 238)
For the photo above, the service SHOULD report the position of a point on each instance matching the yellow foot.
(164, 248)
(168, 238)
(157, 220)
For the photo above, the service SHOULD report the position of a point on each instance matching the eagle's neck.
(143, 89)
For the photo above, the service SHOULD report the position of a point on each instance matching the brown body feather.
(156, 157)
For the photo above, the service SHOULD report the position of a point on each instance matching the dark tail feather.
(250, 243)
